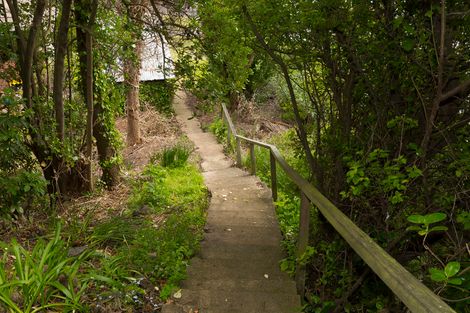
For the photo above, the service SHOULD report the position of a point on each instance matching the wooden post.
(273, 176)
(239, 152)
(253, 159)
(228, 137)
(302, 243)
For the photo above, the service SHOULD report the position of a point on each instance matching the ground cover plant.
(129, 262)
(153, 242)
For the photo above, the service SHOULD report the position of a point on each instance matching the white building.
(156, 59)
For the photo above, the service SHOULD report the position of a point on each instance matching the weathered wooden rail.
(415, 295)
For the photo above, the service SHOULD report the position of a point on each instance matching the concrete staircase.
(237, 268)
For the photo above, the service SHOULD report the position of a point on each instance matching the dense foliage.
(379, 96)
(158, 94)
(378, 93)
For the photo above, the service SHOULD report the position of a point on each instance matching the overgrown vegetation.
(380, 111)
(377, 92)
(158, 94)
(133, 261)
(21, 182)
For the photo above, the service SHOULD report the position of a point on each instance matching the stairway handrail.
(413, 293)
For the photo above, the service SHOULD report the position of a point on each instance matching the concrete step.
(241, 234)
(227, 202)
(243, 196)
(220, 301)
(228, 182)
(240, 218)
(205, 137)
(275, 286)
(229, 173)
(236, 269)
(215, 248)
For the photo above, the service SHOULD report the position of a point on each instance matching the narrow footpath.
(237, 268)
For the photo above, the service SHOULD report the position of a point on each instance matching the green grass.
(179, 194)
(131, 259)
(158, 251)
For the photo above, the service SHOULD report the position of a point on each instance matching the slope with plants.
(378, 96)
(128, 262)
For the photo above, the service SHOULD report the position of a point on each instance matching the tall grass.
(43, 279)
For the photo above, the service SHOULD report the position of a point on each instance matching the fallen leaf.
(177, 295)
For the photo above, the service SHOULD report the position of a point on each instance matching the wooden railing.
(415, 295)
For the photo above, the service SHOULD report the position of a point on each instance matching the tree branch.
(440, 73)
(277, 59)
(457, 90)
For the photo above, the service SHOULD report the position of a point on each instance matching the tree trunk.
(26, 48)
(59, 58)
(89, 105)
(95, 126)
(132, 78)
(132, 74)
(106, 151)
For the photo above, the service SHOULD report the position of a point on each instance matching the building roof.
(156, 59)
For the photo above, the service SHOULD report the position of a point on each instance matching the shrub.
(175, 156)
(19, 190)
(21, 182)
(219, 129)
(158, 94)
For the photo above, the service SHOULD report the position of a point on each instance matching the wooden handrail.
(414, 294)
(232, 129)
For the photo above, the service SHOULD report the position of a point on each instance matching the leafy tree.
(379, 92)
(52, 112)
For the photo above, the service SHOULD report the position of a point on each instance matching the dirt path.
(237, 268)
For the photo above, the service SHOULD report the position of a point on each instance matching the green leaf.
(423, 232)
(437, 274)
(438, 228)
(396, 198)
(104, 279)
(452, 268)
(455, 281)
(464, 218)
(414, 172)
(408, 44)
(413, 228)
(416, 218)
(434, 218)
